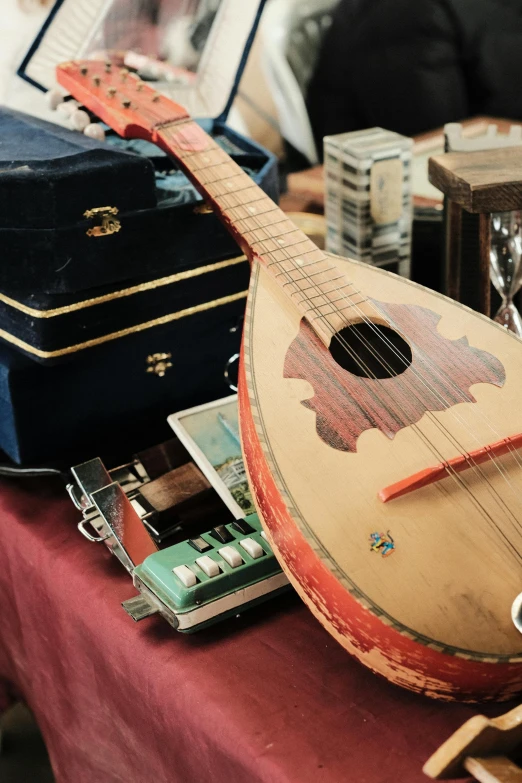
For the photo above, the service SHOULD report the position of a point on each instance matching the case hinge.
(109, 224)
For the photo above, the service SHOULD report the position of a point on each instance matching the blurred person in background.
(413, 65)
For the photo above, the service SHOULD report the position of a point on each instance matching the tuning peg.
(95, 131)
(68, 107)
(55, 97)
(80, 120)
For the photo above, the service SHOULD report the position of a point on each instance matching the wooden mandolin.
(381, 425)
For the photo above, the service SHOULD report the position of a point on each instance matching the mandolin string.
(446, 379)
(324, 294)
(416, 428)
(500, 501)
(461, 484)
(501, 468)
(321, 294)
(369, 373)
(510, 448)
(449, 468)
(451, 471)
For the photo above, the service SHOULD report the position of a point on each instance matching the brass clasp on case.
(109, 224)
(158, 363)
(203, 209)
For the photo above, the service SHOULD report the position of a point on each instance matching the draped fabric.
(266, 697)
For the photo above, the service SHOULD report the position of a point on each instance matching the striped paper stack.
(369, 197)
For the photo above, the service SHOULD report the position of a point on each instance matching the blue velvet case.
(114, 398)
(63, 289)
(102, 336)
(50, 177)
(131, 350)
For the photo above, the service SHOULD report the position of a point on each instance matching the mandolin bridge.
(457, 465)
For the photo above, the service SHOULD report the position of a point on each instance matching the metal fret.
(291, 248)
(298, 259)
(335, 310)
(328, 301)
(302, 290)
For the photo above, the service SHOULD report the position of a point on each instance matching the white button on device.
(208, 566)
(254, 549)
(231, 556)
(185, 575)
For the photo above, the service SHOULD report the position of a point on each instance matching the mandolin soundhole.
(371, 350)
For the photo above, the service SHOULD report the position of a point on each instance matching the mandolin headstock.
(130, 106)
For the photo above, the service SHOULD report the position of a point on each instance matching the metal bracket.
(138, 608)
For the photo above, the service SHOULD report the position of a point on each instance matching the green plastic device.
(193, 589)
(193, 583)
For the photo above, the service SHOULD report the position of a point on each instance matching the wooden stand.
(482, 748)
(475, 183)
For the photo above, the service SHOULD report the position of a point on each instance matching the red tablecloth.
(267, 697)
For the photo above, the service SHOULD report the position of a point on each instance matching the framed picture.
(210, 433)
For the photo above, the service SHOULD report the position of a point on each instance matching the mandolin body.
(418, 588)
(392, 499)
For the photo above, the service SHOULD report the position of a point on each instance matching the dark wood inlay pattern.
(440, 376)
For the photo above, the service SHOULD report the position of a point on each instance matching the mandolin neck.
(303, 272)
(262, 230)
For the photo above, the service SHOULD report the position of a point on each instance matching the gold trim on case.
(165, 319)
(135, 289)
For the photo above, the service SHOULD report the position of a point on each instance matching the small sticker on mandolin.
(383, 543)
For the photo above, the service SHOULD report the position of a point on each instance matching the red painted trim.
(384, 649)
